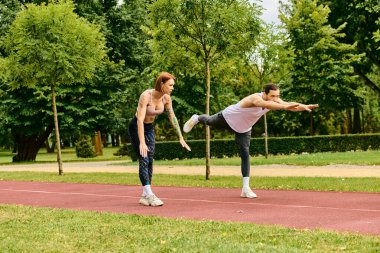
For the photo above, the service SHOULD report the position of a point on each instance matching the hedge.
(276, 145)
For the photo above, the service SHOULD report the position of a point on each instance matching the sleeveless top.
(241, 119)
(151, 109)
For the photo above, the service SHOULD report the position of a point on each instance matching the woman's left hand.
(184, 144)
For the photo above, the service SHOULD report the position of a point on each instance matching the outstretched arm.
(303, 107)
(257, 101)
(299, 107)
(174, 122)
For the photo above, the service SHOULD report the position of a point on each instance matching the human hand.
(313, 106)
(184, 144)
(309, 107)
(144, 150)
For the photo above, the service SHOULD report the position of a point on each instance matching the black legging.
(242, 140)
(145, 163)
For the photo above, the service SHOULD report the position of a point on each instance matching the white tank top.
(241, 119)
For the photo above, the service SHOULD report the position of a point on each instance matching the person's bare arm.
(140, 115)
(271, 105)
(303, 107)
(173, 120)
(300, 107)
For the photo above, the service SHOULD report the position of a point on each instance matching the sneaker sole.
(157, 205)
(245, 196)
(143, 203)
(186, 127)
(248, 197)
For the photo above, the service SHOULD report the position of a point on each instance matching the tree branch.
(368, 82)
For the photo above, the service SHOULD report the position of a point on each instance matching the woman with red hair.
(152, 102)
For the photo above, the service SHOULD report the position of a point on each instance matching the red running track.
(349, 212)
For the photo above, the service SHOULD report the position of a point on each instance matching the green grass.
(371, 157)
(371, 184)
(68, 155)
(28, 229)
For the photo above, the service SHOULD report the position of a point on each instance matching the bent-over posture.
(152, 102)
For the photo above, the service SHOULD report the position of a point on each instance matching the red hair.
(162, 78)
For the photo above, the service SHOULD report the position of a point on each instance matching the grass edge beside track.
(365, 184)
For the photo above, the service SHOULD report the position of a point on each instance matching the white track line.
(191, 200)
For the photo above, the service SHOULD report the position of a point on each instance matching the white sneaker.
(154, 201)
(248, 193)
(144, 201)
(190, 123)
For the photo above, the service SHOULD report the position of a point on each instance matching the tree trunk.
(104, 141)
(349, 117)
(208, 134)
(49, 148)
(266, 136)
(345, 123)
(113, 140)
(98, 143)
(312, 129)
(356, 127)
(14, 146)
(56, 126)
(27, 147)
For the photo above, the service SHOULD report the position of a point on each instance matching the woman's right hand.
(144, 150)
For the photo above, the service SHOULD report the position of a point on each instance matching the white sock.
(147, 190)
(196, 118)
(246, 182)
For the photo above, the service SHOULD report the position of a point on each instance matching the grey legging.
(243, 140)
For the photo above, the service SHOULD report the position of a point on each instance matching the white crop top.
(241, 119)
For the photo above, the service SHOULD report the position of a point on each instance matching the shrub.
(122, 151)
(84, 148)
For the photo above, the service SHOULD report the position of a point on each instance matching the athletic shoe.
(144, 201)
(154, 201)
(248, 193)
(190, 123)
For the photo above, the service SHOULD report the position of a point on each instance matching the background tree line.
(324, 52)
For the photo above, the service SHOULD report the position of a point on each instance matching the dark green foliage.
(8, 11)
(277, 145)
(48, 46)
(361, 18)
(124, 150)
(84, 148)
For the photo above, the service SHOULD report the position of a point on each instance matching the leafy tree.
(376, 34)
(362, 23)
(109, 93)
(322, 71)
(265, 60)
(82, 108)
(127, 43)
(121, 23)
(201, 30)
(49, 46)
(8, 11)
